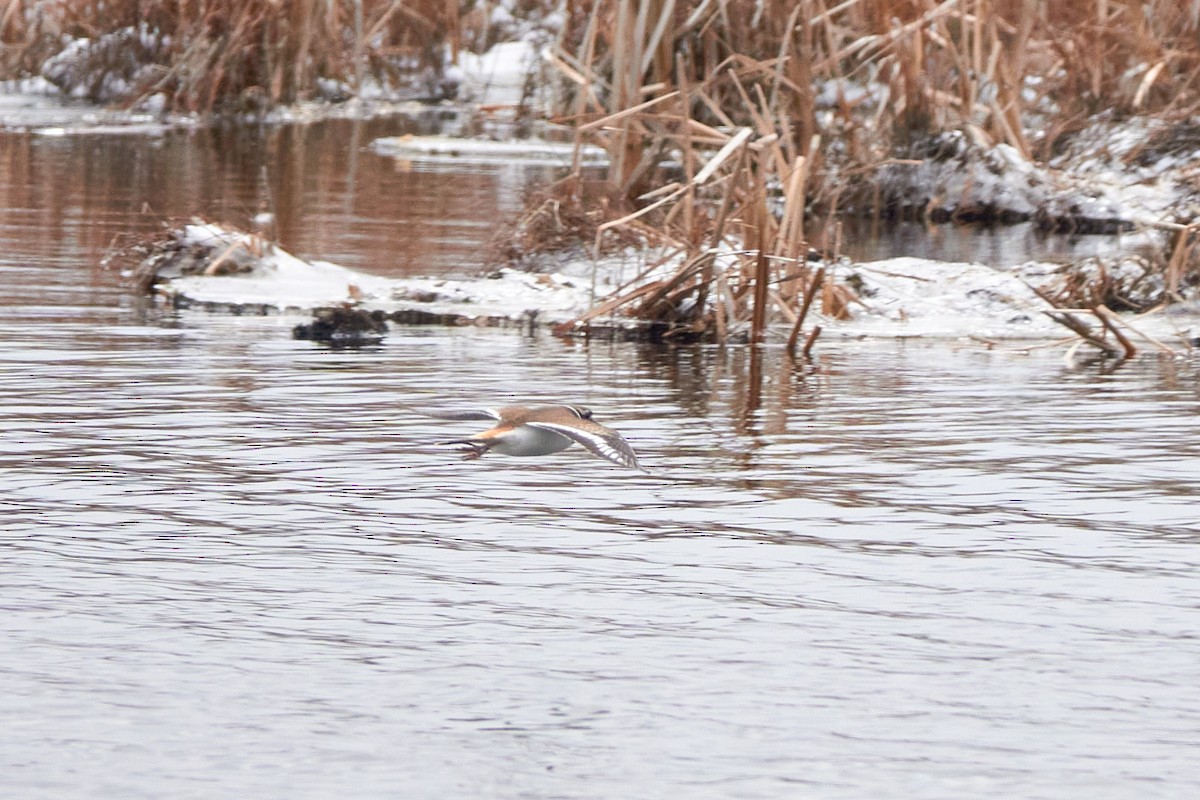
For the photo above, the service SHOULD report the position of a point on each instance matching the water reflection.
(902, 570)
(333, 198)
(1001, 246)
(981, 558)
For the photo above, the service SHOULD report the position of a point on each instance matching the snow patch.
(260, 272)
(36, 105)
(903, 297)
(210, 264)
(505, 76)
(485, 151)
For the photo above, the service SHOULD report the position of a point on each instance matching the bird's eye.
(584, 413)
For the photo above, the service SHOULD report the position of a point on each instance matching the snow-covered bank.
(110, 84)
(213, 267)
(34, 105)
(223, 269)
(1115, 175)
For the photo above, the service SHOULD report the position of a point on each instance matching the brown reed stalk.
(810, 294)
(790, 242)
(689, 165)
(1185, 240)
(762, 282)
(1105, 316)
(809, 341)
(223, 55)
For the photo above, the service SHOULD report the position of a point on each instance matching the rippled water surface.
(235, 565)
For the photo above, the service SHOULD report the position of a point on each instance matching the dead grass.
(775, 108)
(561, 217)
(222, 55)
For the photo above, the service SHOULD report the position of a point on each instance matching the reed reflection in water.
(333, 198)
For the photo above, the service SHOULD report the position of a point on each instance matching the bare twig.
(1069, 320)
(1106, 318)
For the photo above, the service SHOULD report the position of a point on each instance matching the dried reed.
(222, 55)
(788, 86)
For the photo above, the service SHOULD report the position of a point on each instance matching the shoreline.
(221, 270)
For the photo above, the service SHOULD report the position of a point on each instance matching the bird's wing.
(602, 441)
(463, 413)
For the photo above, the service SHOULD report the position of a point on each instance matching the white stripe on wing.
(602, 441)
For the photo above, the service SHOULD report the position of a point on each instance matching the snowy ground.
(253, 273)
(1116, 175)
(218, 268)
(35, 105)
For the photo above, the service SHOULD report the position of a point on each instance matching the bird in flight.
(539, 431)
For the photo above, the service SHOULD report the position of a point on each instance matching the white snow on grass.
(277, 278)
(506, 293)
(915, 297)
(1113, 173)
(902, 297)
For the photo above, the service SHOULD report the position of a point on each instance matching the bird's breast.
(526, 441)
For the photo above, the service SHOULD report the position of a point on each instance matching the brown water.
(233, 566)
